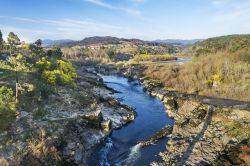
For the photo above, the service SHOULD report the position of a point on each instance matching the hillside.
(50, 43)
(231, 43)
(105, 40)
(222, 72)
(179, 42)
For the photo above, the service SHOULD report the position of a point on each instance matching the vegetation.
(223, 74)
(232, 43)
(154, 58)
(35, 73)
(8, 107)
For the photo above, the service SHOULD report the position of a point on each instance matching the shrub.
(7, 107)
(216, 78)
(43, 64)
(7, 99)
(49, 77)
(205, 72)
(66, 68)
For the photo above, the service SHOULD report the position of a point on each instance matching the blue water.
(122, 147)
(178, 61)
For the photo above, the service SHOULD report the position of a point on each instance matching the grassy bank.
(154, 58)
(223, 75)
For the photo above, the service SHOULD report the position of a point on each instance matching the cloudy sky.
(144, 19)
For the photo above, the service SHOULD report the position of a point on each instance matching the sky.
(143, 19)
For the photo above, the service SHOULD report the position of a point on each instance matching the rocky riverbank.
(207, 130)
(66, 127)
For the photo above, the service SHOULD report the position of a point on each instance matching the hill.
(50, 43)
(105, 40)
(179, 42)
(231, 43)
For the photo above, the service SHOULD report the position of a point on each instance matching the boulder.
(94, 119)
(106, 125)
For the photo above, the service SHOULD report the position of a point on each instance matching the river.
(121, 148)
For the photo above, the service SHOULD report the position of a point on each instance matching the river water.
(121, 148)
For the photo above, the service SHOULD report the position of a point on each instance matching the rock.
(94, 119)
(71, 145)
(23, 114)
(158, 135)
(106, 125)
(170, 103)
(129, 118)
(3, 162)
(78, 155)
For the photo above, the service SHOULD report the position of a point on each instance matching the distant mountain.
(50, 43)
(115, 40)
(104, 40)
(179, 42)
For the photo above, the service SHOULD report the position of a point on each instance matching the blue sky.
(144, 19)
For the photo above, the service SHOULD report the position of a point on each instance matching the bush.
(60, 72)
(7, 107)
(43, 64)
(205, 74)
(49, 77)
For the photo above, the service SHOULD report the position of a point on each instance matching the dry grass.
(41, 149)
(154, 58)
(195, 76)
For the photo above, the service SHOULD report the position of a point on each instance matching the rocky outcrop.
(200, 134)
(94, 119)
(73, 121)
(158, 135)
(204, 126)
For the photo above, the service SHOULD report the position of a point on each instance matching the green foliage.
(43, 64)
(19, 63)
(1, 40)
(237, 130)
(60, 72)
(7, 99)
(13, 41)
(54, 53)
(232, 43)
(49, 77)
(209, 83)
(7, 107)
(216, 78)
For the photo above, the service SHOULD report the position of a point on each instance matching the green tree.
(1, 40)
(13, 42)
(18, 64)
(54, 53)
(38, 43)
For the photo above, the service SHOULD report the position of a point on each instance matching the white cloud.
(109, 6)
(65, 29)
(101, 3)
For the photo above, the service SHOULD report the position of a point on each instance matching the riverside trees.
(29, 74)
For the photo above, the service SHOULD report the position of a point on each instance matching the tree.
(39, 43)
(19, 64)
(38, 50)
(54, 53)
(1, 40)
(13, 41)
